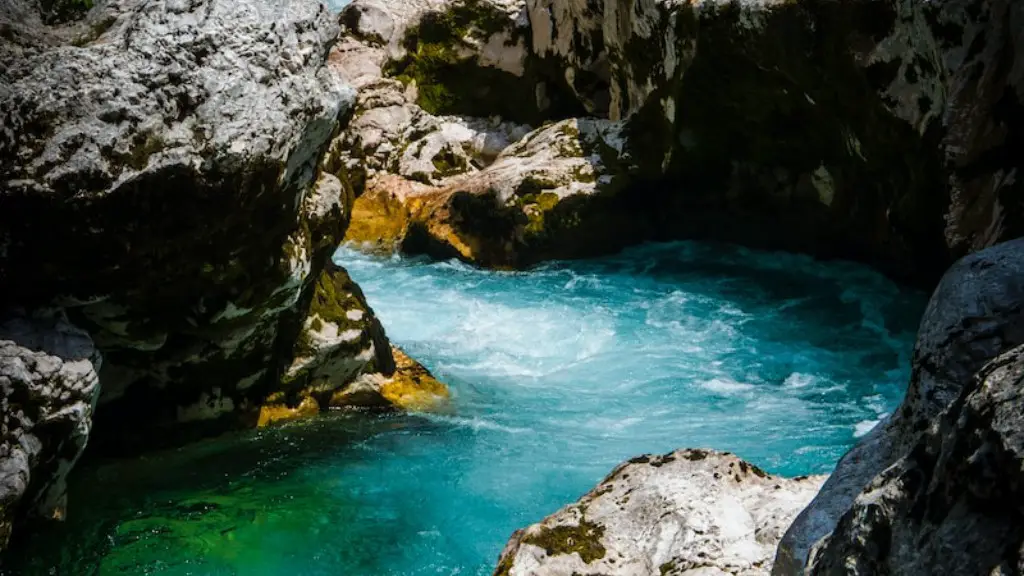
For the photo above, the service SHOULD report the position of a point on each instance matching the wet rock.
(409, 387)
(954, 503)
(689, 512)
(48, 388)
(976, 313)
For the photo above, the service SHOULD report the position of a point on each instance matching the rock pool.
(558, 374)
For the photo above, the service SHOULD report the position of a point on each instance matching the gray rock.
(976, 313)
(162, 177)
(892, 143)
(48, 388)
(954, 504)
(691, 512)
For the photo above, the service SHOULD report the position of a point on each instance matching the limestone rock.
(391, 134)
(954, 504)
(838, 130)
(686, 513)
(409, 387)
(552, 194)
(976, 313)
(339, 338)
(164, 179)
(464, 57)
(48, 388)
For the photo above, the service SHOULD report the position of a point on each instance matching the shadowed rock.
(976, 313)
(954, 504)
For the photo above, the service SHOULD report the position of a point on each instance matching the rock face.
(549, 195)
(167, 182)
(164, 178)
(954, 504)
(835, 131)
(496, 193)
(686, 513)
(879, 131)
(976, 313)
(48, 388)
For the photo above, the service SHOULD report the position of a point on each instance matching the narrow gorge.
(383, 287)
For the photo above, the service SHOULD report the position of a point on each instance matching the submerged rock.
(976, 313)
(954, 504)
(689, 512)
(48, 388)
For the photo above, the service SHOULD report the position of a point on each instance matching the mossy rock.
(583, 539)
(450, 79)
(379, 221)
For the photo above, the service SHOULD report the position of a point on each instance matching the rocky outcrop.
(878, 131)
(167, 182)
(551, 195)
(954, 504)
(689, 512)
(975, 314)
(164, 180)
(487, 191)
(48, 388)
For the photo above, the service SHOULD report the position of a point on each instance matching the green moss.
(533, 185)
(505, 566)
(579, 174)
(547, 200)
(569, 130)
(448, 163)
(316, 324)
(334, 296)
(448, 82)
(144, 147)
(583, 539)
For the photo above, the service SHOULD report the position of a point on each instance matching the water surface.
(558, 374)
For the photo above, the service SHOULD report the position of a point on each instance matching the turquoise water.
(558, 374)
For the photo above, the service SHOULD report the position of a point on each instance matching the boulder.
(691, 512)
(954, 503)
(976, 313)
(553, 194)
(48, 388)
(164, 179)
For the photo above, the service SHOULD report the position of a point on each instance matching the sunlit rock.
(686, 513)
(48, 389)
